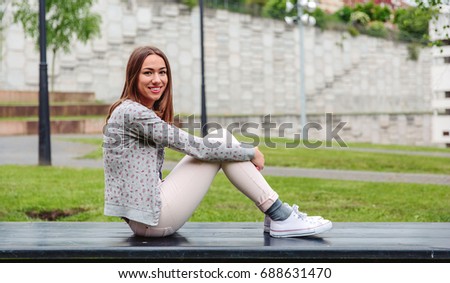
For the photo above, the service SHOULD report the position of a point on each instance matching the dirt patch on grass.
(53, 215)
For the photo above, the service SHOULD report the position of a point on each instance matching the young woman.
(140, 125)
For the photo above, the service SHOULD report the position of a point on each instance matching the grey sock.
(278, 211)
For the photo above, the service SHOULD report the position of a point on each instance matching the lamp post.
(203, 97)
(301, 19)
(44, 113)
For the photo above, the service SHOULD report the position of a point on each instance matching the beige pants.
(186, 185)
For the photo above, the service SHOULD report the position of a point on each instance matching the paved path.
(23, 150)
(394, 151)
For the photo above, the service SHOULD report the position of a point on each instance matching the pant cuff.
(267, 203)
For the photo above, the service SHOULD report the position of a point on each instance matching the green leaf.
(66, 21)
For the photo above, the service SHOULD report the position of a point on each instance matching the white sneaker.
(298, 225)
(267, 219)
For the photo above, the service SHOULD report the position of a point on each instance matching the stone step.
(84, 126)
(25, 104)
(55, 110)
(81, 125)
(32, 97)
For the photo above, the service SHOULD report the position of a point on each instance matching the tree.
(431, 3)
(65, 22)
(435, 6)
(276, 9)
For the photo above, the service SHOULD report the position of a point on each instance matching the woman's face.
(152, 80)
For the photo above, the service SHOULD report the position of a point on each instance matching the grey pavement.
(23, 150)
(394, 151)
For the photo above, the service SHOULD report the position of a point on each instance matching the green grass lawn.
(322, 158)
(34, 189)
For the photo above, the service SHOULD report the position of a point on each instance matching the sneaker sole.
(302, 233)
(267, 225)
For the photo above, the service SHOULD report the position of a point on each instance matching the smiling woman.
(139, 127)
(140, 76)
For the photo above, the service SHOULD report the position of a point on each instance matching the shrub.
(413, 51)
(375, 12)
(275, 9)
(190, 3)
(344, 13)
(413, 23)
(353, 31)
(381, 14)
(321, 18)
(359, 18)
(377, 29)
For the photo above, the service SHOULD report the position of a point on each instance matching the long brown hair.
(163, 107)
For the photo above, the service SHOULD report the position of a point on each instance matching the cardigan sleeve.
(153, 130)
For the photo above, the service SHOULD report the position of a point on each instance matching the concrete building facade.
(441, 78)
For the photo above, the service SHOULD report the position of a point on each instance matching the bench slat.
(223, 241)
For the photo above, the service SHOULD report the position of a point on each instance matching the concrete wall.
(252, 66)
(383, 128)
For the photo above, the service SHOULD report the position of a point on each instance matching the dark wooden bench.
(347, 242)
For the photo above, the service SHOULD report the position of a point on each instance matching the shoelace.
(298, 212)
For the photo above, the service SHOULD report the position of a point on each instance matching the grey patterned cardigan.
(133, 154)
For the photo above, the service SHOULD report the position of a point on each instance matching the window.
(445, 42)
(447, 60)
(447, 94)
(446, 133)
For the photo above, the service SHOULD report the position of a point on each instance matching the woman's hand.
(258, 159)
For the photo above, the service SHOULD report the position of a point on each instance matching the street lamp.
(44, 113)
(202, 58)
(301, 19)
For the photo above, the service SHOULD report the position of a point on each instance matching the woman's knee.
(221, 136)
